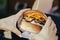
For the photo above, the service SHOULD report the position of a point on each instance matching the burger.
(31, 23)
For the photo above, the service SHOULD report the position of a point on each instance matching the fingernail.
(20, 35)
(49, 17)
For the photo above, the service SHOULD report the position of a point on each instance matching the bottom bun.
(29, 27)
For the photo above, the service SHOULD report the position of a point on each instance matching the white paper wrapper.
(28, 35)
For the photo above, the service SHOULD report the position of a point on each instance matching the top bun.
(35, 15)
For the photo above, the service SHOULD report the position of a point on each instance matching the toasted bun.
(26, 26)
(35, 15)
(28, 17)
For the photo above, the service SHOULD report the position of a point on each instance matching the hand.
(9, 23)
(48, 32)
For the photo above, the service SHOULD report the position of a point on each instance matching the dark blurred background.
(11, 7)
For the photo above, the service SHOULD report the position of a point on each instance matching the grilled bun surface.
(35, 15)
(30, 21)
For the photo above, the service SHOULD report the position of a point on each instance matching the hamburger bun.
(32, 21)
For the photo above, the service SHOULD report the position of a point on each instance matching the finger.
(22, 11)
(48, 22)
(55, 30)
(46, 26)
(53, 27)
(17, 32)
(56, 37)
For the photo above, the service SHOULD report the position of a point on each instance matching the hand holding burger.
(31, 26)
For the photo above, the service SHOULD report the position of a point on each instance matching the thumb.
(46, 26)
(48, 22)
(17, 32)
